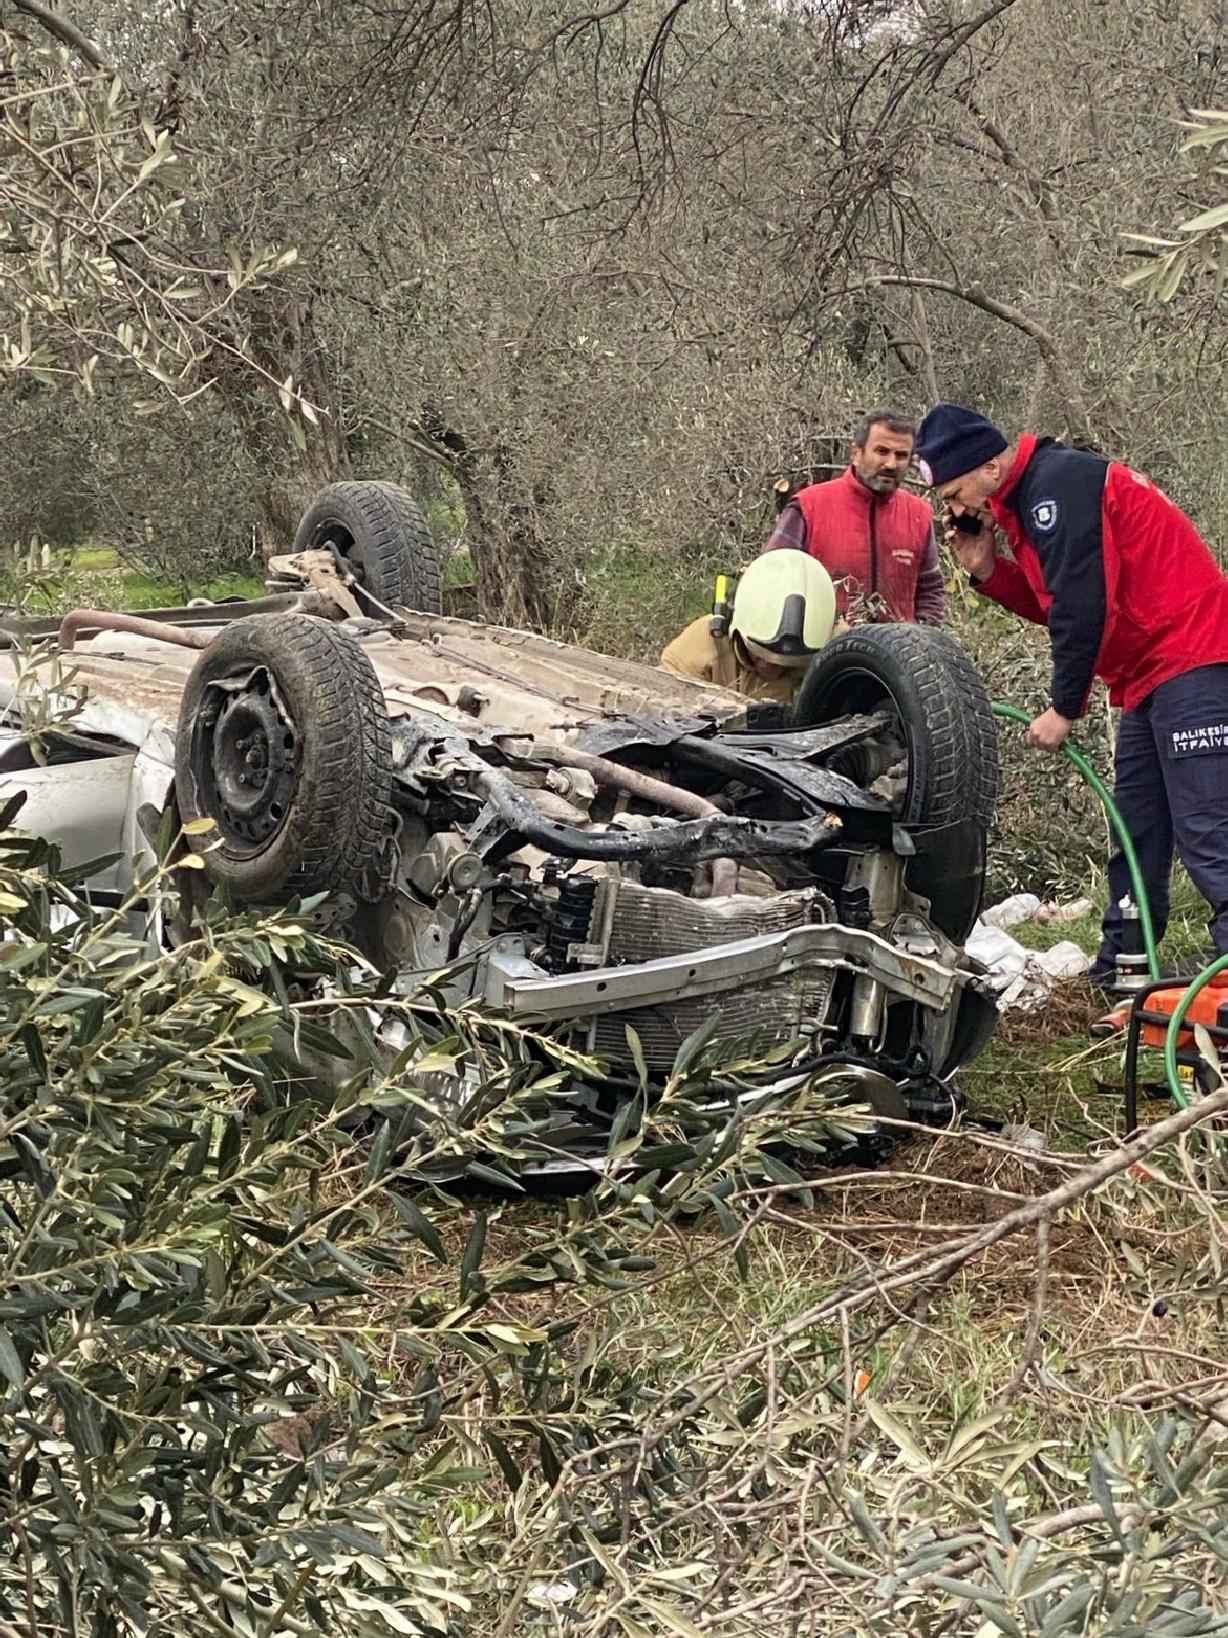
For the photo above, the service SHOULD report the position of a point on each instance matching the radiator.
(650, 922)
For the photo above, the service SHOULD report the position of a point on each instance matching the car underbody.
(611, 854)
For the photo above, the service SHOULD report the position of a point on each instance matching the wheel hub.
(250, 760)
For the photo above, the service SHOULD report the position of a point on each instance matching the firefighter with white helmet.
(784, 611)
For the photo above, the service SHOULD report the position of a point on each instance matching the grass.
(96, 576)
(458, 570)
(1050, 1085)
(634, 602)
(91, 559)
(134, 588)
(922, 1374)
(139, 591)
(1185, 942)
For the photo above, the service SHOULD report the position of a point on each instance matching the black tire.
(940, 702)
(294, 767)
(379, 530)
(979, 724)
(946, 722)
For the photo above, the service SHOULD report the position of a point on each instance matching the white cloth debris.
(1021, 907)
(1018, 908)
(1003, 955)
(1023, 1137)
(552, 1592)
(1021, 977)
(1064, 960)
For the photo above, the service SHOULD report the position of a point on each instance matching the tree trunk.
(283, 339)
(288, 490)
(509, 550)
(921, 323)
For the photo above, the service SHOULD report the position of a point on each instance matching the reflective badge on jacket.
(1199, 741)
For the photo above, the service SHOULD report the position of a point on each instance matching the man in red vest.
(874, 538)
(1131, 594)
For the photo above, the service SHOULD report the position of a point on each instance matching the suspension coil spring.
(570, 919)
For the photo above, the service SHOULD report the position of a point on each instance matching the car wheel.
(939, 702)
(378, 530)
(977, 723)
(284, 743)
(943, 717)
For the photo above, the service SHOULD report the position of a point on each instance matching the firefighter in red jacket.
(874, 538)
(1130, 593)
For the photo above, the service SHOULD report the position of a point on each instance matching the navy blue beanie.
(953, 440)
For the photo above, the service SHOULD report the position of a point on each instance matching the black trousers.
(1171, 784)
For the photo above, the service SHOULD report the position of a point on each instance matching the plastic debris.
(1022, 978)
(1074, 911)
(552, 1593)
(1020, 907)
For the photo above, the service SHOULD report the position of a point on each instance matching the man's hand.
(976, 552)
(1050, 730)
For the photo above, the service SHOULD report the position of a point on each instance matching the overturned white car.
(609, 852)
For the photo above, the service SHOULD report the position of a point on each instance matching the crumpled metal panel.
(789, 762)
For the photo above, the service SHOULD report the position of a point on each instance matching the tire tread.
(342, 814)
(954, 718)
(403, 563)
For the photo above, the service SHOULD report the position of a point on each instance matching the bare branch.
(977, 296)
(64, 30)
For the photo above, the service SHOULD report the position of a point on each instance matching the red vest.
(1166, 598)
(867, 542)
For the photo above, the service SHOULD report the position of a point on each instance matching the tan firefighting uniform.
(697, 653)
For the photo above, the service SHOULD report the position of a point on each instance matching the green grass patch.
(100, 572)
(1043, 1069)
(636, 601)
(96, 576)
(92, 559)
(141, 591)
(458, 570)
(1185, 943)
(1049, 1084)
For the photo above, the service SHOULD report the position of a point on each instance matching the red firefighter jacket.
(1129, 590)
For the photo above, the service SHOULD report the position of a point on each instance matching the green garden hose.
(1174, 1027)
(1113, 814)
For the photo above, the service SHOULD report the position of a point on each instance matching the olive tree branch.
(64, 30)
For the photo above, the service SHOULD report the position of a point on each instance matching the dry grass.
(1070, 1010)
(817, 1436)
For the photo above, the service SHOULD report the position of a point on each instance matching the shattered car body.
(611, 854)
